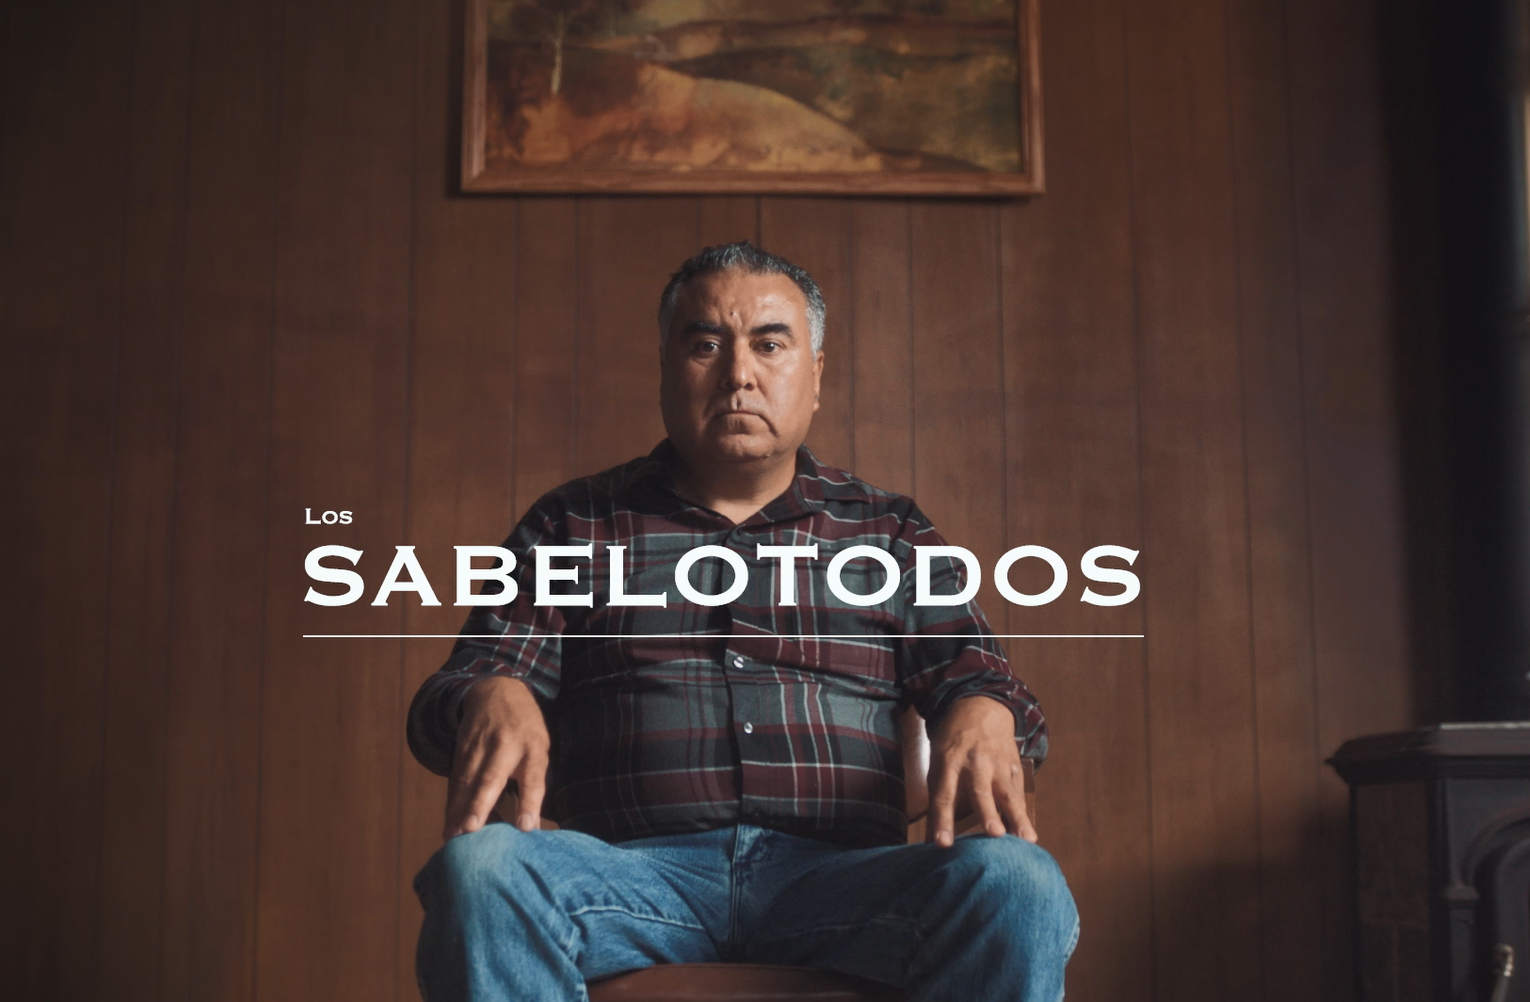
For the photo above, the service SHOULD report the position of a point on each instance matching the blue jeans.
(530, 916)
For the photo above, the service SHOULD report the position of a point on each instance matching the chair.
(772, 983)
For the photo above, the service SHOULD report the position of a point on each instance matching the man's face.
(739, 378)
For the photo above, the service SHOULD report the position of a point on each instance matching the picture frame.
(742, 106)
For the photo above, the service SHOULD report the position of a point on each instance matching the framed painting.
(881, 97)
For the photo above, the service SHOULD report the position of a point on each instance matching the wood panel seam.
(112, 470)
(1248, 520)
(1124, 7)
(278, 102)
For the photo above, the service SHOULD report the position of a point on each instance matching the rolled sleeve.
(517, 640)
(951, 652)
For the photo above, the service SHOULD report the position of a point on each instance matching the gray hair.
(746, 257)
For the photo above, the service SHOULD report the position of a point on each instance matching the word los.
(328, 518)
(406, 575)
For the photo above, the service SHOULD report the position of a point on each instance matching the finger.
(483, 780)
(1027, 830)
(942, 804)
(486, 792)
(982, 802)
(507, 807)
(465, 767)
(1027, 827)
(1011, 799)
(532, 778)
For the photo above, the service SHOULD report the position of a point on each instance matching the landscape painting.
(837, 96)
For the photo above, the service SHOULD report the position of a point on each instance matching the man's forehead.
(718, 294)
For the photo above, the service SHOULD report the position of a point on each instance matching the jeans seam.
(733, 893)
(661, 920)
(570, 951)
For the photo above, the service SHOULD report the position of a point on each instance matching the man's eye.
(770, 346)
(707, 347)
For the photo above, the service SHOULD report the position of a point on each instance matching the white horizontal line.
(730, 636)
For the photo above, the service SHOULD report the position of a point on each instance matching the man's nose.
(738, 369)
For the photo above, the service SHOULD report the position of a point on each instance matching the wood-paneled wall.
(237, 283)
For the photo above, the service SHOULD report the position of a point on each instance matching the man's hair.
(746, 257)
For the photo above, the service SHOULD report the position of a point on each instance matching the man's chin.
(741, 451)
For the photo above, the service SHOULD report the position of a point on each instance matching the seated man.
(724, 763)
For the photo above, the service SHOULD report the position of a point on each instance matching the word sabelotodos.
(406, 575)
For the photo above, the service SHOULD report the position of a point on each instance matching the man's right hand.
(502, 738)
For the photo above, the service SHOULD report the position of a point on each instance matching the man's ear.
(817, 378)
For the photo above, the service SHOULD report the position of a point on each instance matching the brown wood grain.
(1200, 686)
(545, 333)
(814, 233)
(327, 925)
(967, 184)
(1032, 107)
(474, 104)
(1290, 764)
(1072, 462)
(627, 250)
(958, 384)
(462, 396)
(61, 234)
(143, 492)
(238, 278)
(877, 328)
(1348, 288)
(213, 710)
(723, 219)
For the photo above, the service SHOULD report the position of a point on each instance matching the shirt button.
(738, 662)
(748, 727)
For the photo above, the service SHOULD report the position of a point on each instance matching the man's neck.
(737, 491)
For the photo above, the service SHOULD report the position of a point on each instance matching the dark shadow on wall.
(1455, 100)
(1410, 100)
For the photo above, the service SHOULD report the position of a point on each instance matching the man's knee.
(1009, 876)
(471, 865)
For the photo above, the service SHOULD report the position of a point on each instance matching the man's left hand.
(973, 756)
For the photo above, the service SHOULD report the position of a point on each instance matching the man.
(724, 764)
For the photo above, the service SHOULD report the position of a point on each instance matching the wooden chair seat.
(737, 983)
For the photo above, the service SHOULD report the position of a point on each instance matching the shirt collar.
(652, 480)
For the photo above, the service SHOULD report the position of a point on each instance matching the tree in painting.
(555, 20)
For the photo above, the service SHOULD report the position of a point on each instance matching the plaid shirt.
(754, 711)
